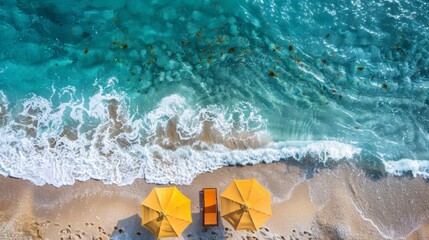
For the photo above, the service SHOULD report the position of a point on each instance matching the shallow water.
(119, 90)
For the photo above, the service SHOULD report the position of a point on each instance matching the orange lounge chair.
(210, 207)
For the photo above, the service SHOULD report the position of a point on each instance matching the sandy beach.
(343, 202)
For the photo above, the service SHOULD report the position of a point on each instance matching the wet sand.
(343, 202)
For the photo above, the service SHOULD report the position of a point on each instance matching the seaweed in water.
(231, 50)
(124, 46)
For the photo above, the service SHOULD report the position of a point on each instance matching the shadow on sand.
(130, 228)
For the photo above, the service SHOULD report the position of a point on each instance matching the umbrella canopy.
(245, 204)
(166, 212)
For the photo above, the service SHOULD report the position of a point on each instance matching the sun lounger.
(210, 207)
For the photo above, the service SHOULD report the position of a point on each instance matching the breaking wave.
(65, 138)
(406, 166)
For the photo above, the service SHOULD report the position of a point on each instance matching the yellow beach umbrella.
(245, 204)
(166, 212)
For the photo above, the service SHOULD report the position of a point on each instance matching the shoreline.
(341, 202)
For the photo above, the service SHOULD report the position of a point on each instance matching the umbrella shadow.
(197, 231)
(130, 228)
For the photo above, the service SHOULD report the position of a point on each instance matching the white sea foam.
(403, 166)
(99, 138)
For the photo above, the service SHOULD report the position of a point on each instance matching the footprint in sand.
(65, 230)
(100, 229)
(38, 234)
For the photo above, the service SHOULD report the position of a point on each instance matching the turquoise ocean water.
(164, 90)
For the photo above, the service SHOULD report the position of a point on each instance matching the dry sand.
(339, 203)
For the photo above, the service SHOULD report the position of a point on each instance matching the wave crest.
(67, 138)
